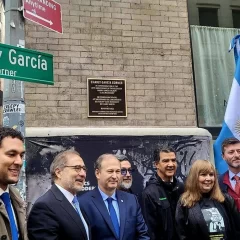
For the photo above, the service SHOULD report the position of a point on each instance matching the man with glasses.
(125, 182)
(113, 214)
(58, 214)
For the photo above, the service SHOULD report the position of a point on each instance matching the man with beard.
(57, 214)
(230, 180)
(113, 214)
(160, 197)
(12, 209)
(125, 182)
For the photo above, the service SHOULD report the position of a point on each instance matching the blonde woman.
(203, 212)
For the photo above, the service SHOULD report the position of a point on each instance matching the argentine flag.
(231, 123)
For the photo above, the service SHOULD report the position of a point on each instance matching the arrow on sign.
(39, 17)
(0, 53)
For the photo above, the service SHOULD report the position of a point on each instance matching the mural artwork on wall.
(138, 149)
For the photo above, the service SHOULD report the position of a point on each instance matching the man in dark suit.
(113, 214)
(57, 214)
(12, 207)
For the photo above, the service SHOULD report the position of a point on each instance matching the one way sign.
(47, 13)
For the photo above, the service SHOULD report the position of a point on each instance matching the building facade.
(213, 24)
(146, 42)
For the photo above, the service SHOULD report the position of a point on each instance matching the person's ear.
(58, 173)
(97, 173)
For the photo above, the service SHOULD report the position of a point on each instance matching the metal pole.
(13, 91)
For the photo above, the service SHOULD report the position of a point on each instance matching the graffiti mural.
(139, 149)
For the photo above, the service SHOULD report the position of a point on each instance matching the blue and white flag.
(231, 123)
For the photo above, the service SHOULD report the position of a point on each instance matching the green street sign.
(26, 65)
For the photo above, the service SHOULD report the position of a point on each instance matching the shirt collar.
(231, 175)
(66, 193)
(105, 196)
(1, 191)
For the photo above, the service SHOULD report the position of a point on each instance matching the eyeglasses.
(125, 170)
(78, 168)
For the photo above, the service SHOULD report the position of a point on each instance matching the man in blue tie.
(58, 214)
(113, 214)
(12, 210)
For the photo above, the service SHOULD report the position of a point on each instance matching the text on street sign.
(47, 13)
(25, 65)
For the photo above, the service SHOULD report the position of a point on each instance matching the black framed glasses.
(77, 168)
(125, 170)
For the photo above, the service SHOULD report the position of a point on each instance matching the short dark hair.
(157, 151)
(229, 141)
(9, 132)
(121, 157)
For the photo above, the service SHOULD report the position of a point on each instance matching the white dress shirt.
(69, 196)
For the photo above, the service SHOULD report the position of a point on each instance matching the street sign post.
(47, 13)
(26, 65)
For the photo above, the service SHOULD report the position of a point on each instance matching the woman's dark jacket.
(192, 226)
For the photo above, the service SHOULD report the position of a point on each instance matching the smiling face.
(68, 177)
(126, 180)
(206, 181)
(11, 160)
(109, 174)
(231, 155)
(166, 166)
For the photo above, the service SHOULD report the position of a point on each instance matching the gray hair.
(59, 161)
(122, 157)
(98, 163)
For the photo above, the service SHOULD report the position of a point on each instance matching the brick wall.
(145, 42)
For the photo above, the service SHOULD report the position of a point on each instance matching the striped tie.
(237, 186)
(77, 208)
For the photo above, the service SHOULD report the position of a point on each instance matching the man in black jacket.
(160, 197)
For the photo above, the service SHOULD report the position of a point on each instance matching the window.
(212, 24)
(208, 17)
(236, 18)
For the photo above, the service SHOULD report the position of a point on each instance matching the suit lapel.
(87, 221)
(100, 205)
(19, 211)
(198, 216)
(122, 204)
(3, 210)
(66, 205)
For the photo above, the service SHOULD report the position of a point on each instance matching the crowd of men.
(110, 211)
